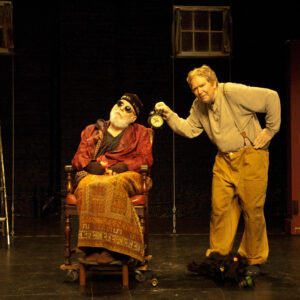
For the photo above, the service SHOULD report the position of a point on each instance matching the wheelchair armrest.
(144, 168)
(144, 171)
(68, 168)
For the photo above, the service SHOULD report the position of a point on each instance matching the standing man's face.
(203, 90)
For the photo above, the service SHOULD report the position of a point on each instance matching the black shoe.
(252, 270)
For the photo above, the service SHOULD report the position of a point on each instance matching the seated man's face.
(122, 114)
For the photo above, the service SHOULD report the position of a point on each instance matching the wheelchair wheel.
(72, 275)
(139, 276)
(154, 281)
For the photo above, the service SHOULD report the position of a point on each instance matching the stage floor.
(30, 269)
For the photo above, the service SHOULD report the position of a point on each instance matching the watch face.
(156, 121)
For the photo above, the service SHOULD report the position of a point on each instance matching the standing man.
(227, 113)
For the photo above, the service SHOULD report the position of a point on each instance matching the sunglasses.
(127, 108)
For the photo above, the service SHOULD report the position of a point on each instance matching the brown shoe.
(104, 258)
(89, 259)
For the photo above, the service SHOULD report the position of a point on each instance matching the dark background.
(74, 59)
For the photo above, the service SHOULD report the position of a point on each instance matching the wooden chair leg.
(67, 239)
(125, 275)
(82, 275)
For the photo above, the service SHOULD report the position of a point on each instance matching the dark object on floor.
(224, 269)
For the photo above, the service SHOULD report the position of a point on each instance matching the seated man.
(107, 162)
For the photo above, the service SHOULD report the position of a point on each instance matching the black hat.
(134, 100)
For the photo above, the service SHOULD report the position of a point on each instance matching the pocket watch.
(155, 119)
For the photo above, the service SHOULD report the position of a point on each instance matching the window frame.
(9, 27)
(177, 31)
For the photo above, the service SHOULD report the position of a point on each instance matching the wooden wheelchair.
(75, 270)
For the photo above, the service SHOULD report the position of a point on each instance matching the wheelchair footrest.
(69, 267)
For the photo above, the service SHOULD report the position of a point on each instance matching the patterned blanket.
(107, 216)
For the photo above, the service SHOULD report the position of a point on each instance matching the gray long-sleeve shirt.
(218, 119)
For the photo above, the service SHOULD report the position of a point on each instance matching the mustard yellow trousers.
(239, 185)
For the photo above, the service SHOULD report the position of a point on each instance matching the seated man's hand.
(109, 172)
(95, 168)
(162, 107)
(116, 169)
(119, 168)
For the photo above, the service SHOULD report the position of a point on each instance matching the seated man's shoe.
(104, 258)
(252, 270)
(99, 259)
(116, 263)
(89, 259)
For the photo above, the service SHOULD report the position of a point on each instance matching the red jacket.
(135, 148)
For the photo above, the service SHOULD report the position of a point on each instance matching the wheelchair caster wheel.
(139, 276)
(154, 281)
(72, 275)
